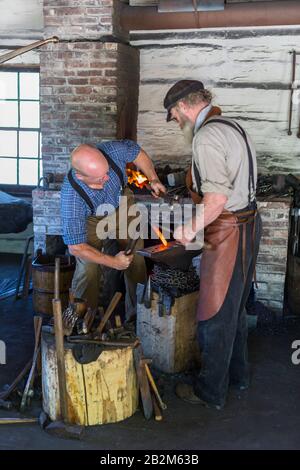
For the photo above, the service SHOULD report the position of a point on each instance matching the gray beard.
(188, 132)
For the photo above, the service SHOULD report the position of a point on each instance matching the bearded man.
(223, 179)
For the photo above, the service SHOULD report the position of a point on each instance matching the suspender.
(197, 178)
(241, 131)
(114, 166)
(82, 192)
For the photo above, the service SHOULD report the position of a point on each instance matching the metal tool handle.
(22, 50)
(130, 246)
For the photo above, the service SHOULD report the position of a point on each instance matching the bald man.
(98, 177)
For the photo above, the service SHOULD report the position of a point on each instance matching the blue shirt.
(74, 210)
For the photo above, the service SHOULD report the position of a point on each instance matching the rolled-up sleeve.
(74, 231)
(211, 163)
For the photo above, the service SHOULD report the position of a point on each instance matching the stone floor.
(267, 416)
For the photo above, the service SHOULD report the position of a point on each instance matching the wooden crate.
(103, 391)
(170, 341)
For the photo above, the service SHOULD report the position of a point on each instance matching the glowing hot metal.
(160, 235)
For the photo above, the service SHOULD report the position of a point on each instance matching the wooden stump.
(170, 341)
(103, 391)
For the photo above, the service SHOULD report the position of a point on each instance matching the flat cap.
(179, 91)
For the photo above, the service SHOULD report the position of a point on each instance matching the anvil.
(173, 254)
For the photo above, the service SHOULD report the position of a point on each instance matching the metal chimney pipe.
(267, 13)
(176, 6)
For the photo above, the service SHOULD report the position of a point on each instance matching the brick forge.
(89, 93)
(272, 257)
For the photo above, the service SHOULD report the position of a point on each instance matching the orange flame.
(136, 177)
(160, 235)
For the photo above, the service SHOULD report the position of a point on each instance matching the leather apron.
(217, 263)
(222, 236)
(137, 269)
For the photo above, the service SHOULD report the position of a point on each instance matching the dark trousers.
(223, 338)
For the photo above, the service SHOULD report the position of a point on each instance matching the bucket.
(43, 267)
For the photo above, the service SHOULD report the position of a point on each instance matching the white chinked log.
(249, 72)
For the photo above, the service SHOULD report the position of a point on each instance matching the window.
(20, 137)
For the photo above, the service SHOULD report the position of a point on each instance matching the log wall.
(249, 72)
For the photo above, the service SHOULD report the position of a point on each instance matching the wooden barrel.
(103, 391)
(43, 267)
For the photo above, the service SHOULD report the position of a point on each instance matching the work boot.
(242, 386)
(186, 393)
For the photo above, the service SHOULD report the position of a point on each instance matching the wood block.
(103, 391)
(170, 341)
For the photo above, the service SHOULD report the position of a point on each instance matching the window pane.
(8, 170)
(29, 86)
(8, 85)
(29, 144)
(8, 143)
(29, 114)
(8, 114)
(28, 172)
(41, 167)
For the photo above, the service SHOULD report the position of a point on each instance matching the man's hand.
(92, 255)
(145, 165)
(157, 188)
(122, 261)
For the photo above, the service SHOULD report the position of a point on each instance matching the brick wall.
(89, 92)
(89, 80)
(46, 216)
(73, 19)
(272, 257)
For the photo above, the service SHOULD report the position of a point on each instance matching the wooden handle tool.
(162, 405)
(113, 303)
